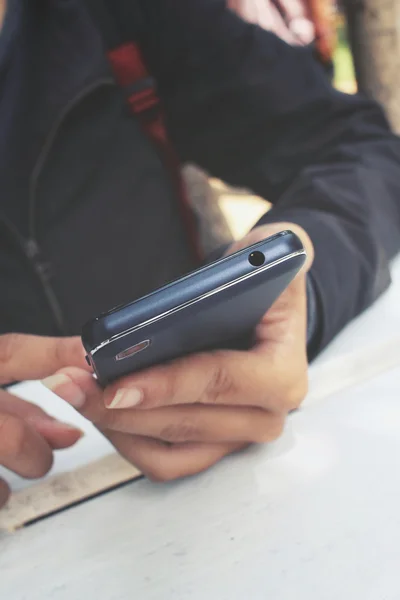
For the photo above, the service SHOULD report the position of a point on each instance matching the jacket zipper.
(29, 251)
(31, 246)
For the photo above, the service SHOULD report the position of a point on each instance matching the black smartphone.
(217, 306)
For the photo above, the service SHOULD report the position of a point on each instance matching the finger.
(25, 357)
(183, 423)
(80, 390)
(258, 377)
(20, 408)
(4, 493)
(22, 449)
(161, 462)
(58, 435)
(203, 424)
(219, 377)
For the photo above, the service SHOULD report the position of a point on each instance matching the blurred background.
(358, 44)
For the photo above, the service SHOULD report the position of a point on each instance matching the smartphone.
(216, 306)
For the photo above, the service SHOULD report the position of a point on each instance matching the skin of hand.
(28, 435)
(178, 419)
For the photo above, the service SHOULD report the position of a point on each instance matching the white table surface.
(314, 516)
(368, 347)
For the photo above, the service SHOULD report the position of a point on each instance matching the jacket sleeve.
(258, 113)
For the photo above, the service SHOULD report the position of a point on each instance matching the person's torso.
(94, 220)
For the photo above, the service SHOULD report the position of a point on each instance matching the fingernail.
(65, 388)
(126, 398)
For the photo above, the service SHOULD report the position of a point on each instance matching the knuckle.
(159, 475)
(56, 352)
(166, 470)
(9, 344)
(4, 493)
(12, 435)
(296, 394)
(169, 383)
(221, 383)
(288, 393)
(185, 431)
(277, 428)
(14, 443)
(64, 352)
(163, 469)
(43, 466)
(103, 420)
(270, 429)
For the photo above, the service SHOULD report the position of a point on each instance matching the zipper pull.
(32, 249)
(34, 254)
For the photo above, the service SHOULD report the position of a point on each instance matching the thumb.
(24, 357)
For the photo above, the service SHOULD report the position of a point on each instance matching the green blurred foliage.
(344, 69)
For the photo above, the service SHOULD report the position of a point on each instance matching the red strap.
(131, 72)
(127, 64)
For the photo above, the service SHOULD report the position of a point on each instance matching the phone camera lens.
(256, 259)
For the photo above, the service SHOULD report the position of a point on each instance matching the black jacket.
(240, 103)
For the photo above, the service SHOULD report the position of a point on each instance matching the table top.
(314, 515)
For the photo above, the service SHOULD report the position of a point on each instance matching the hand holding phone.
(209, 404)
(217, 306)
